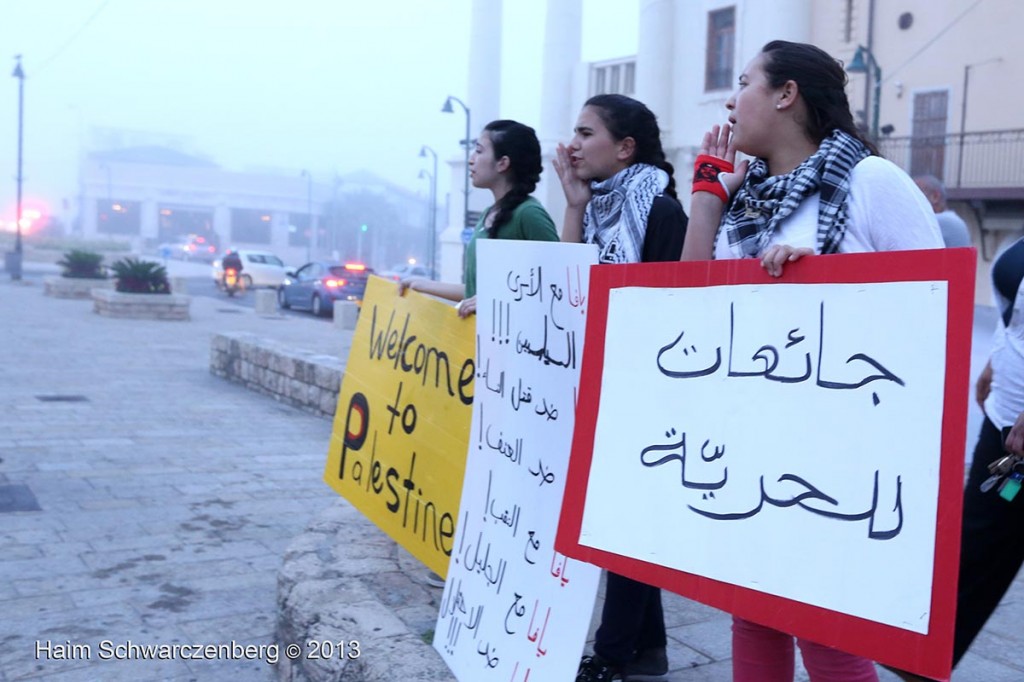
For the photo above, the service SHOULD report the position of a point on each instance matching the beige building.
(947, 97)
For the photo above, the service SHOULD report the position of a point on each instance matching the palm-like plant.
(81, 264)
(135, 276)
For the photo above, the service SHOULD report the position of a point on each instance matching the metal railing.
(991, 159)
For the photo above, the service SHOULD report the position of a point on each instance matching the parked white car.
(259, 269)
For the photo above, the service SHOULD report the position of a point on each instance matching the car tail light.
(334, 283)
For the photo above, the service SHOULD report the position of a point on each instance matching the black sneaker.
(651, 665)
(596, 669)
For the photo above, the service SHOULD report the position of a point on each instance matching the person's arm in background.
(452, 292)
(984, 385)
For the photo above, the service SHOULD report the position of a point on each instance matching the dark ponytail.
(520, 144)
(626, 117)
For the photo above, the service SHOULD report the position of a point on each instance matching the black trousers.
(632, 620)
(992, 544)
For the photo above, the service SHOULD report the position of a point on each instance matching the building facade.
(935, 87)
(149, 196)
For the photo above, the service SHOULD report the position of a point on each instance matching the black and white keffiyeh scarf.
(762, 203)
(616, 215)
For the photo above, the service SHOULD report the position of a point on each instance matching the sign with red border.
(924, 648)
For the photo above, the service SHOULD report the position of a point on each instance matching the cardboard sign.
(513, 608)
(802, 439)
(398, 448)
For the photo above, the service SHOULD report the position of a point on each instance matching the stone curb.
(343, 580)
(301, 378)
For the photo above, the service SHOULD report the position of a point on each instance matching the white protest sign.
(781, 434)
(513, 608)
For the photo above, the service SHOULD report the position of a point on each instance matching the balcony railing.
(992, 160)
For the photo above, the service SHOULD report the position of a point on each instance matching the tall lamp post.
(963, 115)
(431, 249)
(863, 61)
(311, 242)
(13, 262)
(447, 108)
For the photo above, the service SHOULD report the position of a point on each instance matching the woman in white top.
(815, 185)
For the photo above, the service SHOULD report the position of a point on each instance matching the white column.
(563, 30)
(483, 100)
(485, 63)
(563, 37)
(655, 50)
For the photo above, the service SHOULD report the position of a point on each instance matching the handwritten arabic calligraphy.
(770, 356)
(527, 339)
(802, 496)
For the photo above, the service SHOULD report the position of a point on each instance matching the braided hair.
(520, 144)
(822, 83)
(626, 117)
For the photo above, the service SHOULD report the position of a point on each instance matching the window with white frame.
(616, 77)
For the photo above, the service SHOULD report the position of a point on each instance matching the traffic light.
(363, 227)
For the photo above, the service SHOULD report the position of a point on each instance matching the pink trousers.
(761, 654)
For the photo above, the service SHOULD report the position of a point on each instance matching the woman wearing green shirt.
(506, 161)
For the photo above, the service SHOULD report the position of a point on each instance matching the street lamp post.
(14, 260)
(863, 60)
(447, 108)
(311, 242)
(432, 248)
(963, 115)
(424, 173)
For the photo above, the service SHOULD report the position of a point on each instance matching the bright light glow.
(165, 211)
(355, 266)
(412, 261)
(265, 218)
(117, 208)
(31, 214)
(334, 283)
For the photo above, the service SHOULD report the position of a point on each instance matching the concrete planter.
(73, 287)
(112, 303)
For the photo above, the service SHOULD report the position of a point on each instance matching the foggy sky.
(328, 85)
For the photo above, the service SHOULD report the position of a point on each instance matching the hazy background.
(325, 85)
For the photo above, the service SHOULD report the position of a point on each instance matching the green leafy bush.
(82, 265)
(135, 276)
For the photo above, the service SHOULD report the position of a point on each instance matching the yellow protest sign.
(398, 447)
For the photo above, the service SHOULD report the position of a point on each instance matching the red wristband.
(706, 170)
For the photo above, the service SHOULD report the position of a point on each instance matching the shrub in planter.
(79, 264)
(135, 276)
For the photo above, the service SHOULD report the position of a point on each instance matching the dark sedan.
(316, 286)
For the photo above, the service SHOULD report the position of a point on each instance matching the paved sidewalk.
(168, 496)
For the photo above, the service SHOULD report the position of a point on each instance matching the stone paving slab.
(167, 497)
